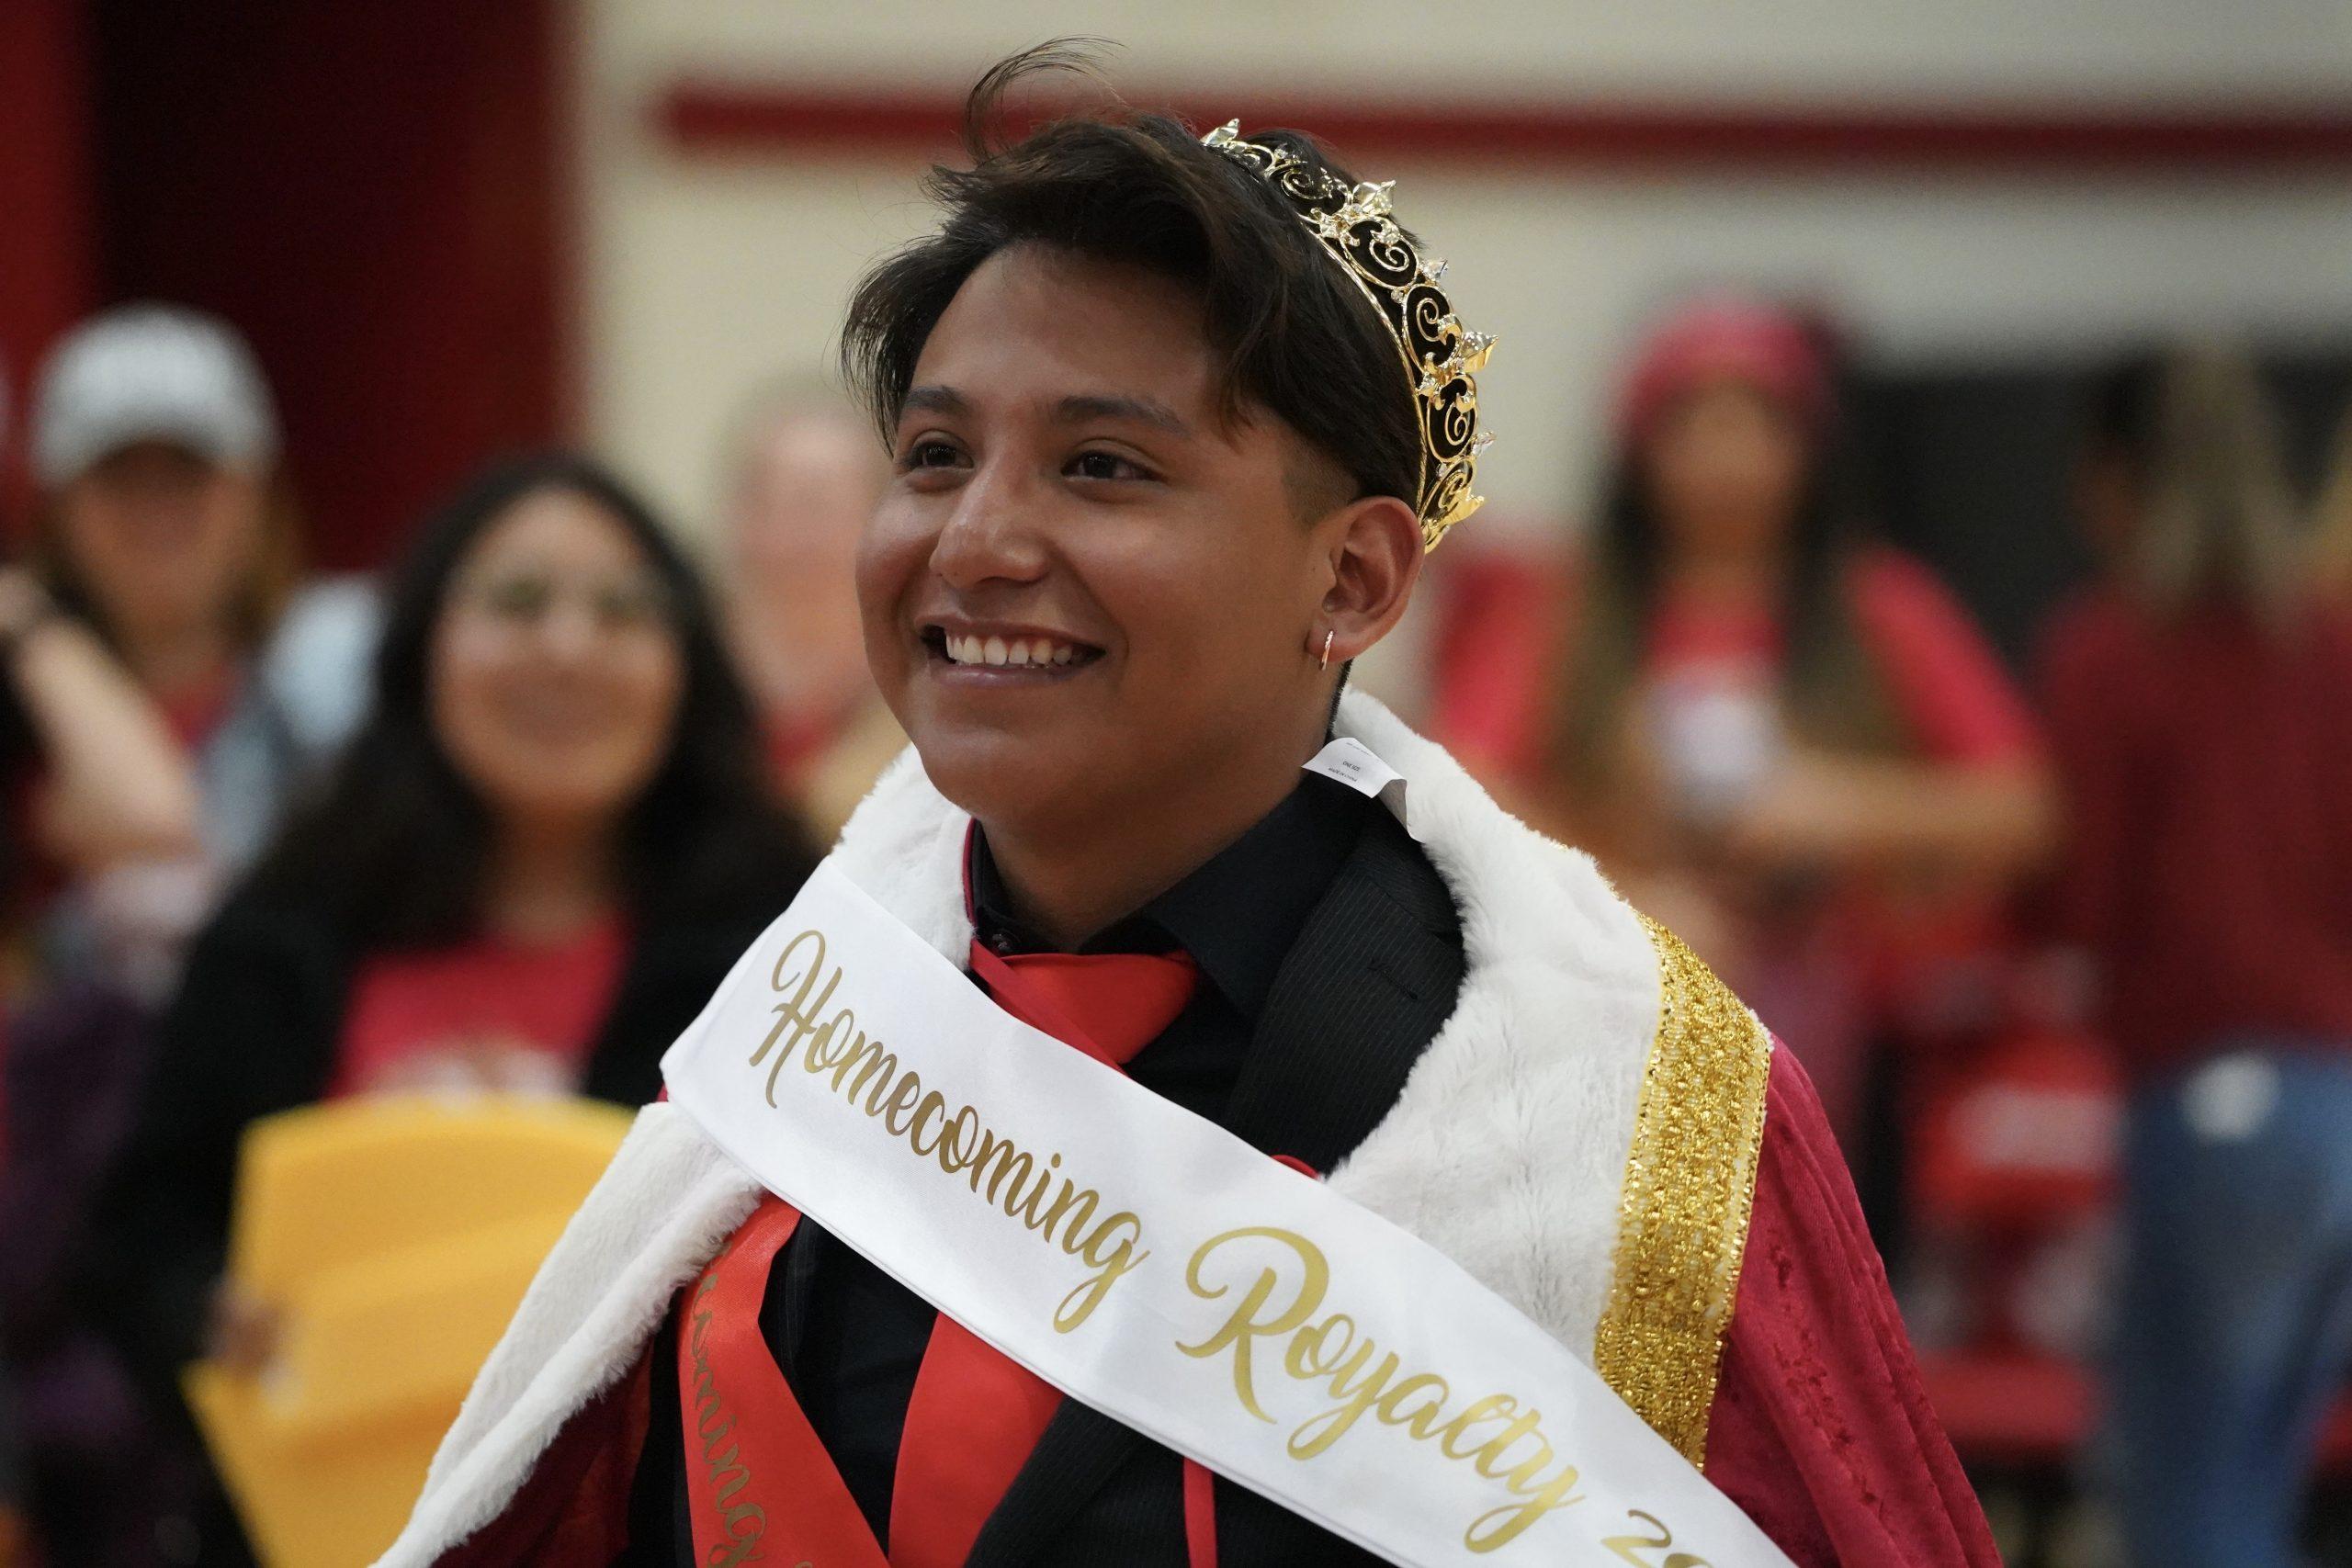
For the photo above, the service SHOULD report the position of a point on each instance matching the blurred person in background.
(1778, 739)
(538, 856)
(805, 472)
(2200, 706)
(166, 524)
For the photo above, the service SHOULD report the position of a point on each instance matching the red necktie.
(976, 1416)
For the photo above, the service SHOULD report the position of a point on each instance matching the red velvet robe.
(1820, 1429)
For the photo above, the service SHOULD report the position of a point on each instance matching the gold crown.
(1441, 354)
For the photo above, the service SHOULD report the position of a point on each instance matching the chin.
(1005, 779)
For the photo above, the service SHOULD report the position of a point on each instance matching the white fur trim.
(1507, 1148)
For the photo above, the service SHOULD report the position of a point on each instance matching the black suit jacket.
(1372, 975)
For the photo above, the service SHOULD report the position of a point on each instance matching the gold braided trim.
(1689, 1189)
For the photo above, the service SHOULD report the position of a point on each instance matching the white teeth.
(1017, 653)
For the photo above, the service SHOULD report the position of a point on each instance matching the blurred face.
(161, 539)
(806, 488)
(1725, 470)
(556, 672)
(1081, 591)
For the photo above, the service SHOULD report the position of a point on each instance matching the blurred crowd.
(2067, 949)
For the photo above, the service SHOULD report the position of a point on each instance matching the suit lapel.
(1369, 982)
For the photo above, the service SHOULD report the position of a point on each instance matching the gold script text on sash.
(831, 1045)
(1491, 1432)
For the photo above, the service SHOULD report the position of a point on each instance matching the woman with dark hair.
(1773, 734)
(536, 859)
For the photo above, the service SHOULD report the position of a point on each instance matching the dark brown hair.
(1293, 333)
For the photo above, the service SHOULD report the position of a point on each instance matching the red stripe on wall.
(710, 119)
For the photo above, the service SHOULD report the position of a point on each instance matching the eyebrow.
(1135, 411)
(935, 400)
(1076, 410)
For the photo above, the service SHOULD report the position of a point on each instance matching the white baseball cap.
(150, 373)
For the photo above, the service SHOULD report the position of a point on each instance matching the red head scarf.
(1725, 338)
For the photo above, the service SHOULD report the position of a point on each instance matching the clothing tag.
(1354, 764)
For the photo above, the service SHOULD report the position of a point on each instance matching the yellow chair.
(395, 1236)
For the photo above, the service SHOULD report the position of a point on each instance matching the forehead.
(1032, 323)
(556, 526)
(149, 456)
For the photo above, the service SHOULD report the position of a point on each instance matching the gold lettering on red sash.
(740, 1523)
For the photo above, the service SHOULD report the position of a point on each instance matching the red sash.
(759, 1487)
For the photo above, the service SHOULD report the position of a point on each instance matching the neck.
(1071, 884)
(170, 661)
(550, 880)
(1734, 574)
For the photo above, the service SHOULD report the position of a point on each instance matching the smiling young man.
(903, 1268)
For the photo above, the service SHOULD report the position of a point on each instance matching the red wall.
(378, 195)
(46, 270)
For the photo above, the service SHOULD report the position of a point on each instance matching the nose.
(569, 630)
(990, 536)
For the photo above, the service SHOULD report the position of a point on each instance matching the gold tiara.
(1441, 354)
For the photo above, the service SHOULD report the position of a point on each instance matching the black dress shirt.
(849, 1339)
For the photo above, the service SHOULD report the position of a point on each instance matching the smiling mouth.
(1029, 654)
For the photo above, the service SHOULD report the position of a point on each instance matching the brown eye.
(633, 604)
(929, 455)
(518, 598)
(1105, 466)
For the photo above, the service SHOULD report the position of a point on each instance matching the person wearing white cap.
(115, 786)
(164, 527)
(158, 374)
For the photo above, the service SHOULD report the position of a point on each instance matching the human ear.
(1373, 549)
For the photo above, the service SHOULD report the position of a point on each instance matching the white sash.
(1157, 1269)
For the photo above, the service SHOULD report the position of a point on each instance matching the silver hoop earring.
(1325, 663)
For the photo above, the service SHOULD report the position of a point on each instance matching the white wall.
(705, 277)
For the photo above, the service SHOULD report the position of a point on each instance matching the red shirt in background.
(486, 994)
(1830, 973)
(1948, 687)
(2207, 770)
